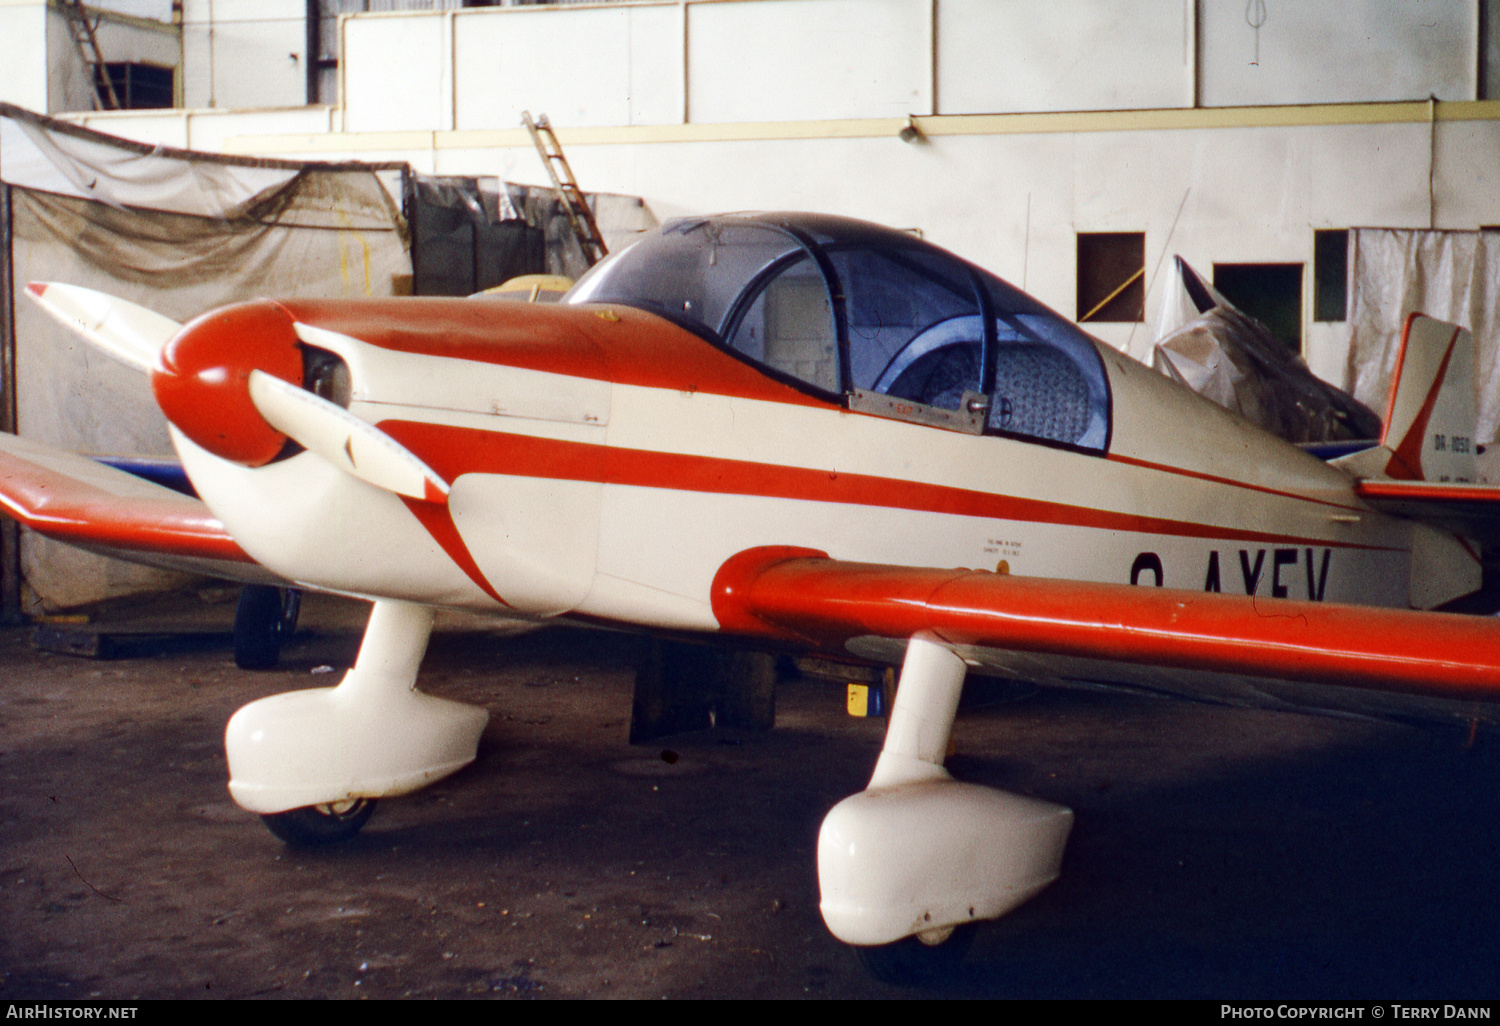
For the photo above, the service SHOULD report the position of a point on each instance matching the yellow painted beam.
(1199, 118)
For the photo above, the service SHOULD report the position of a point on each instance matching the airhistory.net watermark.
(42, 1010)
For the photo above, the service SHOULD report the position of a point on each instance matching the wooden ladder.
(580, 216)
(88, 49)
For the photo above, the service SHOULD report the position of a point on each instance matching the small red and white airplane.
(796, 431)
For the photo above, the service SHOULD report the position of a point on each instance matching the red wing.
(79, 501)
(796, 594)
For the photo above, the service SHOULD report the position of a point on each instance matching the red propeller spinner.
(201, 379)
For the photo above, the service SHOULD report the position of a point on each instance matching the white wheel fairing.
(374, 735)
(917, 852)
(897, 861)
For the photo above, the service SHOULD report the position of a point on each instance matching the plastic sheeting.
(472, 234)
(1451, 275)
(1210, 346)
(177, 232)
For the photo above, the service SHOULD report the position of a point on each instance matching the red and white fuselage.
(606, 463)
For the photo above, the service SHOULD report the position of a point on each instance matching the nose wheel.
(313, 825)
(918, 961)
(263, 621)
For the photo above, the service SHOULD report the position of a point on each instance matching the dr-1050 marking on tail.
(1253, 570)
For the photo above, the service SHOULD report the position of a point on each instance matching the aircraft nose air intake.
(202, 378)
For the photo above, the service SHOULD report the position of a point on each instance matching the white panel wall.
(1468, 176)
(1352, 51)
(809, 60)
(206, 130)
(1015, 202)
(1250, 195)
(384, 94)
(134, 41)
(1015, 55)
(157, 10)
(23, 72)
(69, 85)
(778, 60)
(244, 53)
(657, 58)
(632, 74)
(1012, 202)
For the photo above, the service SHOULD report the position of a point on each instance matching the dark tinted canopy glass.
(843, 306)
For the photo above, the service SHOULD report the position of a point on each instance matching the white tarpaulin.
(1207, 344)
(36, 156)
(1451, 275)
(177, 232)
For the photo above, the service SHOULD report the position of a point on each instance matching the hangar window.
(140, 86)
(1111, 276)
(1271, 293)
(1331, 274)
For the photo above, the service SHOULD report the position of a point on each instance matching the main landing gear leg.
(311, 762)
(911, 863)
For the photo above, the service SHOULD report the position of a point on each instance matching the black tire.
(264, 619)
(320, 824)
(911, 963)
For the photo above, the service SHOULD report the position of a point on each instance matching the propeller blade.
(355, 446)
(130, 333)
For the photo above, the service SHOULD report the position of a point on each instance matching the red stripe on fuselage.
(604, 343)
(437, 519)
(1230, 482)
(454, 451)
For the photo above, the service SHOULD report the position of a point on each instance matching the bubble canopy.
(867, 315)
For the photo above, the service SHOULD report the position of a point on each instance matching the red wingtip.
(37, 288)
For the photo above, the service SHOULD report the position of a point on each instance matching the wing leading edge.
(801, 595)
(82, 502)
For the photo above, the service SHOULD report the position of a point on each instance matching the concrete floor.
(1217, 853)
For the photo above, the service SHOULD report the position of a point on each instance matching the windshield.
(690, 270)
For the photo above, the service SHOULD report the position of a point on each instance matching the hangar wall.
(1216, 138)
(41, 69)
(775, 60)
(244, 53)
